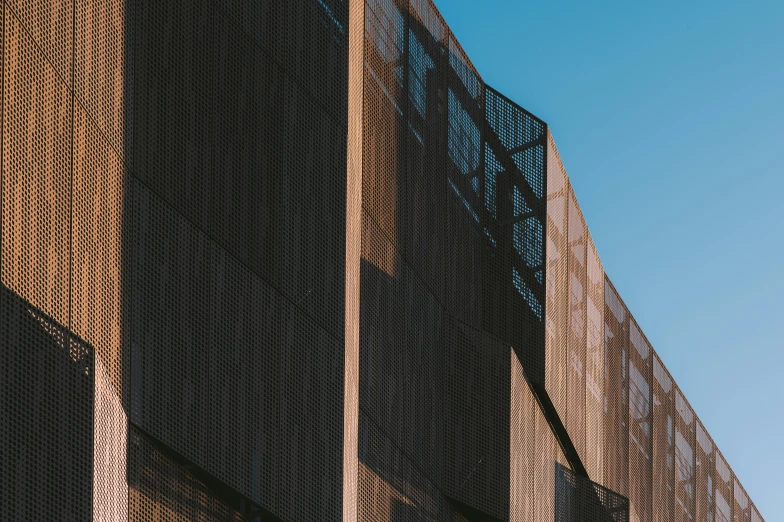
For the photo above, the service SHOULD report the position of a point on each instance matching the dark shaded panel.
(161, 488)
(423, 374)
(426, 147)
(261, 20)
(470, 247)
(577, 498)
(170, 332)
(50, 22)
(401, 353)
(476, 415)
(102, 243)
(316, 52)
(46, 403)
(383, 348)
(103, 67)
(313, 200)
(36, 175)
(392, 486)
(247, 166)
(174, 60)
(311, 419)
(244, 422)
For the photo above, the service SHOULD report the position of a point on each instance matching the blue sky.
(668, 116)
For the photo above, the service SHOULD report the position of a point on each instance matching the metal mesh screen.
(248, 272)
(577, 498)
(452, 271)
(557, 278)
(635, 431)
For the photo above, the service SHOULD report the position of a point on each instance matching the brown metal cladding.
(685, 454)
(557, 278)
(653, 448)
(616, 412)
(576, 330)
(705, 475)
(663, 486)
(594, 366)
(295, 260)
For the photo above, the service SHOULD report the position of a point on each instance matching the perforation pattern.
(46, 403)
(103, 69)
(557, 279)
(244, 417)
(247, 152)
(616, 421)
(576, 337)
(311, 370)
(594, 366)
(110, 450)
(173, 114)
(663, 486)
(36, 175)
(685, 457)
(171, 274)
(162, 489)
(50, 24)
(101, 224)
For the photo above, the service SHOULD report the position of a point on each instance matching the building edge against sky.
(296, 261)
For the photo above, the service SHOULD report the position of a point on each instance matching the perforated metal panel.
(663, 486)
(46, 403)
(228, 293)
(103, 67)
(594, 367)
(101, 245)
(50, 24)
(616, 420)
(576, 329)
(685, 459)
(557, 279)
(160, 488)
(36, 174)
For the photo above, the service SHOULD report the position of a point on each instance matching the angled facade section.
(295, 261)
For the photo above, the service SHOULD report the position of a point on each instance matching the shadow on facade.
(46, 407)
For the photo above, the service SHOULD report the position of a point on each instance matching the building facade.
(295, 260)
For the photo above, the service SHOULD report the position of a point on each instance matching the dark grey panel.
(174, 57)
(311, 420)
(312, 196)
(316, 52)
(245, 440)
(170, 335)
(248, 155)
(46, 407)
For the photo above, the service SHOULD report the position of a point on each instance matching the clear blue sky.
(668, 116)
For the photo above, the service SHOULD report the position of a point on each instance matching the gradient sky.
(668, 117)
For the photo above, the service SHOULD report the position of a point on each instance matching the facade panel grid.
(236, 286)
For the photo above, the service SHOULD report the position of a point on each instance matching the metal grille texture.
(634, 430)
(295, 260)
(173, 259)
